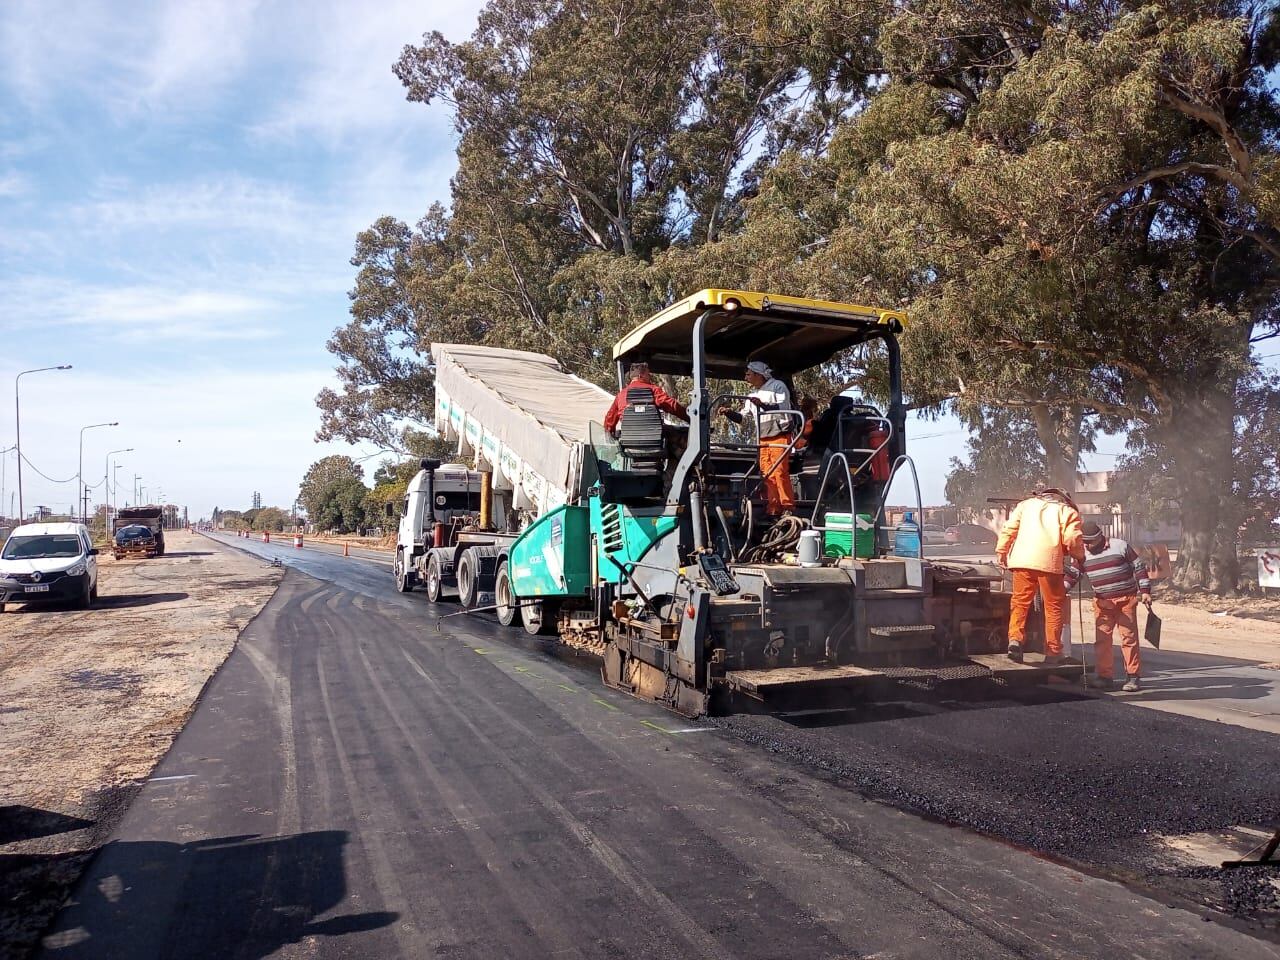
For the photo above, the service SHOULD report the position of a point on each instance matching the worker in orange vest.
(1043, 530)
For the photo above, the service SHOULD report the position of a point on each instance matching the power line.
(70, 479)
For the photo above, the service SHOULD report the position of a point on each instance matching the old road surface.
(357, 784)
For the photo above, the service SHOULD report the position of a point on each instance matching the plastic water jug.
(906, 541)
(809, 550)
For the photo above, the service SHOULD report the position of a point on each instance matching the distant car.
(969, 534)
(47, 562)
(931, 533)
(136, 539)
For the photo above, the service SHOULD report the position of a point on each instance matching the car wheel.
(434, 587)
(538, 617)
(86, 597)
(93, 591)
(404, 579)
(468, 579)
(504, 600)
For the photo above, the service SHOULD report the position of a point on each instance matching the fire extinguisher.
(879, 441)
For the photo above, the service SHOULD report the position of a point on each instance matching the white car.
(49, 562)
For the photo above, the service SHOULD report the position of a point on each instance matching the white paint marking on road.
(693, 730)
(184, 776)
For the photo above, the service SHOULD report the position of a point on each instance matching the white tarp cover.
(526, 400)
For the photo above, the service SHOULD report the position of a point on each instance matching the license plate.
(37, 588)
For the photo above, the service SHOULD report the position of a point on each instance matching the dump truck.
(524, 421)
(150, 517)
(655, 550)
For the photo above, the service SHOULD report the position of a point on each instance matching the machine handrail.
(871, 455)
(915, 477)
(853, 511)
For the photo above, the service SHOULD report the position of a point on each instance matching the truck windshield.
(43, 547)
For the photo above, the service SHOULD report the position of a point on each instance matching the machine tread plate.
(939, 674)
(1033, 665)
(758, 683)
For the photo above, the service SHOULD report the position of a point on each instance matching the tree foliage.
(1077, 201)
(312, 491)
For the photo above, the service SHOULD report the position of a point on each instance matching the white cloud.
(171, 56)
(133, 314)
(13, 184)
(221, 203)
(346, 86)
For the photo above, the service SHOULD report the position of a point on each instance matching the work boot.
(1015, 652)
(1133, 684)
(1054, 659)
(1099, 683)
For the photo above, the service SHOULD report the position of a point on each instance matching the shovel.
(1152, 631)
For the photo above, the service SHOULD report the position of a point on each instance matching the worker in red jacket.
(638, 375)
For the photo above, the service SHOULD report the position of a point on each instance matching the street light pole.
(136, 478)
(108, 489)
(80, 469)
(3, 464)
(17, 427)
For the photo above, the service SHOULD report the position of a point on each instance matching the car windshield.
(43, 547)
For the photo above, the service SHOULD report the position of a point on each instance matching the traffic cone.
(297, 540)
(266, 536)
(345, 551)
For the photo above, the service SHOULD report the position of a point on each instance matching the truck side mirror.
(389, 509)
(430, 465)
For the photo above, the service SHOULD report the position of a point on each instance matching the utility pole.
(17, 426)
(80, 469)
(4, 460)
(136, 478)
(108, 486)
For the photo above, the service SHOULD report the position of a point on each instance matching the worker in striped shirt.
(1119, 580)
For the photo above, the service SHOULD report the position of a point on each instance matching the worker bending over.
(638, 375)
(1119, 580)
(1042, 531)
(776, 433)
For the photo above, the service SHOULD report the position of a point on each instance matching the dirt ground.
(1192, 628)
(91, 700)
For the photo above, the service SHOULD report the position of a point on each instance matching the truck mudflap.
(780, 682)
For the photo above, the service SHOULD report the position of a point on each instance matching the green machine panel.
(625, 534)
(552, 558)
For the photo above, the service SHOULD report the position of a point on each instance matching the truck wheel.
(468, 578)
(434, 588)
(538, 617)
(404, 578)
(508, 606)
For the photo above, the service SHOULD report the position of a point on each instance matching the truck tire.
(468, 574)
(508, 606)
(539, 617)
(434, 587)
(404, 577)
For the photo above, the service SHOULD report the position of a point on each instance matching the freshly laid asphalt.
(364, 780)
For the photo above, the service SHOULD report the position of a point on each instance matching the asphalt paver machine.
(670, 569)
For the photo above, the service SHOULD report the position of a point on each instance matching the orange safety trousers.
(1053, 589)
(1111, 617)
(775, 467)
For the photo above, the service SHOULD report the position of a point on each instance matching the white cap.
(760, 367)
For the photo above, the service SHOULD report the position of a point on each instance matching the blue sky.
(180, 188)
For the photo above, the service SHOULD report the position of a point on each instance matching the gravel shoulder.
(91, 700)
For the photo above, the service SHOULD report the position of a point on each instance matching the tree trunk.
(1059, 433)
(1201, 450)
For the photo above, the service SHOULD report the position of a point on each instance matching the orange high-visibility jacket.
(1038, 534)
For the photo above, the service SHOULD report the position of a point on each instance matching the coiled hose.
(781, 538)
